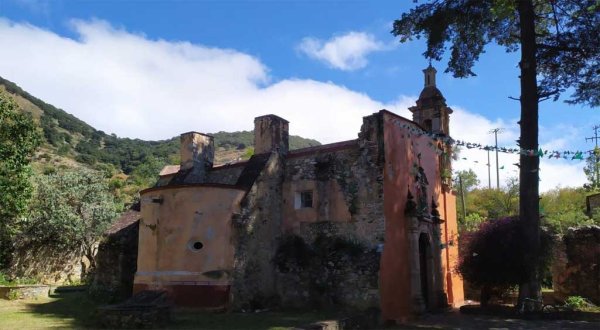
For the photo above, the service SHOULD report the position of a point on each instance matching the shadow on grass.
(75, 308)
(498, 317)
(189, 319)
(511, 312)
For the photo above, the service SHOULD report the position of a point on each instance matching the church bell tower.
(431, 111)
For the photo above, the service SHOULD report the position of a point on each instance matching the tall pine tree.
(558, 43)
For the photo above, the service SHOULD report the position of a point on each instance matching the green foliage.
(464, 182)
(74, 138)
(564, 208)
(71, 210)
(6, 280)
(249, 152)
(243, 139)
(141, 160)
(578, 303)
(557, 54)
(592, 171)
(469, 180)
(566, 56)
(494, 203)
(18, 142)
(145, 174)
(13, 295)
(471, 222)
(575, 302)
(64, 120)
(561, 208)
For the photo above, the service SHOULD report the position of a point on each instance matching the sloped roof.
(169, 169)
(127, 218)
(252, 170)
(430, 92)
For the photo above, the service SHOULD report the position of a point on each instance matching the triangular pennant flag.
(578, 155)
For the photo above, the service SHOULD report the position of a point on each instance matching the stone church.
(359, 224)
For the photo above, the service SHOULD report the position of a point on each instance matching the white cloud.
(345, 52)
(475, 128)
(136, 87)
(127, 84)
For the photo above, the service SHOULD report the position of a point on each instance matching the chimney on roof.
(271, 133)
(197, 153)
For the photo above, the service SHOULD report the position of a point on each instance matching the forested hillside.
(132, 164)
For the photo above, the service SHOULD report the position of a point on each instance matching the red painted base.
(203, 296)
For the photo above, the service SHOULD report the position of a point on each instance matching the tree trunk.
(529, 211)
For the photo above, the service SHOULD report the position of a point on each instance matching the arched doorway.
(425, 269)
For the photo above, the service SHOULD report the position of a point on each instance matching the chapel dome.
(431, 92)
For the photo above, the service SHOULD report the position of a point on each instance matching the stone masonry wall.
(576, 266)
(116, 264)
(49, 266)
(255, 232)
(329, 271)
(361, 184)
(332, 263)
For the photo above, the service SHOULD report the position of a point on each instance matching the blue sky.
(153, 69)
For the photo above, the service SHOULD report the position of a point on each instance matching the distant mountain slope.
(70, 141)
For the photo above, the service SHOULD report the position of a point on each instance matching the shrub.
(579, 303)
(495, 255)
(292, 252)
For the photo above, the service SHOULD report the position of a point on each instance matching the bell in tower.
(431, 111)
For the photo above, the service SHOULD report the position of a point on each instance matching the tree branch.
(546, 95)
(559, 48)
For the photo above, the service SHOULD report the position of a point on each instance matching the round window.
(195, 245)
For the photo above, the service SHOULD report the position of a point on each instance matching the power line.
(595, 139)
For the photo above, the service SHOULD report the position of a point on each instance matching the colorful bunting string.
(550, 154)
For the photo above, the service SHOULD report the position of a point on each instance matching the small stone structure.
(592, 202)
(576, 266)
(145, 310)
(24, 291)
(116, 260)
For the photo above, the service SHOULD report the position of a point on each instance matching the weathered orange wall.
(401, 152)
(185, 215)
(453, 283)
(395, 268)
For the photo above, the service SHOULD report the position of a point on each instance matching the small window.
(303, 199)
(427, 124)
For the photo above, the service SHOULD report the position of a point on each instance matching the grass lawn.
(75, 310)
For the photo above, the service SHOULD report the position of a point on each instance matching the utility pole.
(489, 166)
(496, 131)
(595, 139)
(462, 197)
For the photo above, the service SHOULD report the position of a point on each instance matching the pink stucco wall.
(173, 219)
(402, 148)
